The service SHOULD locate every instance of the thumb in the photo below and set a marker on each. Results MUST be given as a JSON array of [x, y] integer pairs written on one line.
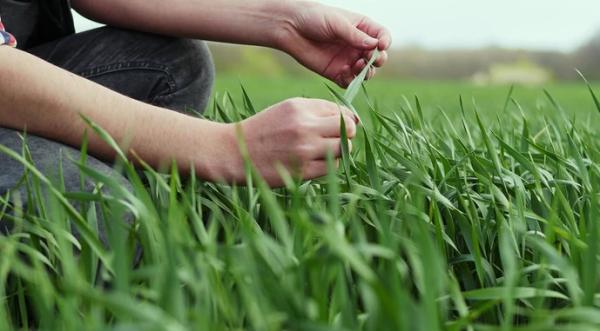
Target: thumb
[[347, 32]]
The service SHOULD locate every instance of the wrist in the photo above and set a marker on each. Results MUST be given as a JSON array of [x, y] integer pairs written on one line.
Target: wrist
[[231, 166], [284, 28], [213, 152]]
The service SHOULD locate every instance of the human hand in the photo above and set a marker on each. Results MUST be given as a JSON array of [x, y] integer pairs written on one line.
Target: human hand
[[332, 42], [296, 133]]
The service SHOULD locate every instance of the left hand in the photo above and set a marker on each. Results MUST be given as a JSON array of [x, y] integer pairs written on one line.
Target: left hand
[[332, 42]]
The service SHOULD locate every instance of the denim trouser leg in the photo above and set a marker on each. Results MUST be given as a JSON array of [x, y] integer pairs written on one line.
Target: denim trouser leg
[[168, 72], [173, 73]]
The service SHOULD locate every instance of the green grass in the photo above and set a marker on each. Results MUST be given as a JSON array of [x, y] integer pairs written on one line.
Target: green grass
[[390, 94], [475, 223]]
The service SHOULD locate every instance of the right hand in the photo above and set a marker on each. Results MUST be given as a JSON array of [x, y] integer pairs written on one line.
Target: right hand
[[296, 133], [332, 42]]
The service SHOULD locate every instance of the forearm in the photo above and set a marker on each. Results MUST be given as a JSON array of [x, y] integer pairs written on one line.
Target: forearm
[[47, 101], [236, 21]]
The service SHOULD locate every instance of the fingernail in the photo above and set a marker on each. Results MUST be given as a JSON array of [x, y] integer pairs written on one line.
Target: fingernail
[[371, 42]]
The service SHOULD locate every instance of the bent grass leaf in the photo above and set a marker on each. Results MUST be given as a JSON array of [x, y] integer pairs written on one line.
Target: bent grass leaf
[[589, 86]]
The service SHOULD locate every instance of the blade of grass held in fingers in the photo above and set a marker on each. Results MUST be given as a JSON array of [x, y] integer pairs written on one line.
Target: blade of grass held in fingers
[[354, 87]]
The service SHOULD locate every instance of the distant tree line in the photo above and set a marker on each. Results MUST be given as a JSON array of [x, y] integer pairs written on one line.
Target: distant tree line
[[587, 58], [420, 63]]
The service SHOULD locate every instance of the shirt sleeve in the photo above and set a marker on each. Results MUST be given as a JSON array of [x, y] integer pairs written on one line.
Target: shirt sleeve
[[6, 38]]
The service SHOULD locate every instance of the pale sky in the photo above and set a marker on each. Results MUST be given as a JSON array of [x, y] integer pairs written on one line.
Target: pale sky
[[534, 24]]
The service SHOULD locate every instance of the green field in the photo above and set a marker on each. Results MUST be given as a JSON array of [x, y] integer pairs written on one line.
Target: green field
[[391, 94], [483, 219]]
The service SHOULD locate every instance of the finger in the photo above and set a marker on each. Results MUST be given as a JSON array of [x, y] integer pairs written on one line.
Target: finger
[[381, 60], [330, 145], [333, 146], [342, 62], [359, 66], [337, 80], [346, 69], [352, 35], [347, 75], [377, 31], [342, 80], [371, 74], [385, 40], [316, 169], [324, 108], [348, 113], [329, 127], [348, 79]]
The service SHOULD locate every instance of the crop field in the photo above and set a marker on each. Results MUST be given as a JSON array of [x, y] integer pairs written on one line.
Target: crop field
[[389, 94], [478, 212]]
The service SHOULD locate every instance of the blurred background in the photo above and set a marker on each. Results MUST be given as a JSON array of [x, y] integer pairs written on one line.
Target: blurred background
[[441, 49], [508, 41]]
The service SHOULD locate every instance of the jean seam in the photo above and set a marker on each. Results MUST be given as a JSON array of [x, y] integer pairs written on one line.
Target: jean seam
[[131, 66]]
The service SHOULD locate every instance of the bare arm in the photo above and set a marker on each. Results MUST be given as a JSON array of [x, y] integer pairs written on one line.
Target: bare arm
[[329, 41], [235, 21], [47, 101]]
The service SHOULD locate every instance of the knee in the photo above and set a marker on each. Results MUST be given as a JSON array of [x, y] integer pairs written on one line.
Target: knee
[[194, 74]]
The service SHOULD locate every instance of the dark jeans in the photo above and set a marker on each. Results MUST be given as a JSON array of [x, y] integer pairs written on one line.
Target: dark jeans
[[173, 73]]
